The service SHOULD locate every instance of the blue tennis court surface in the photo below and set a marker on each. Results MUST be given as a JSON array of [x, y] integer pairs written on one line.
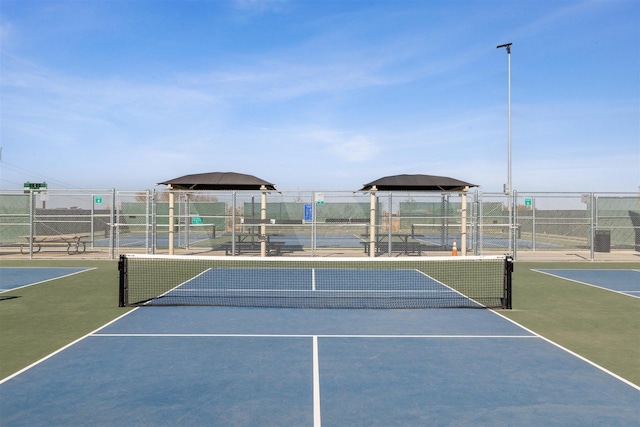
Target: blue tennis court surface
[[232, 366], [19, 277], [621, 281], [311, 279]]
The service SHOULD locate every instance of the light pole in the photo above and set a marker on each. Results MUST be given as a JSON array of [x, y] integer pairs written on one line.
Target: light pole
[[508, 190]]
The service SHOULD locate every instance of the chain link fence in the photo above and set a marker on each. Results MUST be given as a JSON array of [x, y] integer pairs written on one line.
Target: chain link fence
[[105, 223]]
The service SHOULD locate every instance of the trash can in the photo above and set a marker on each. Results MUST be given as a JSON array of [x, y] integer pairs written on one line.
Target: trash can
[[602, 241]]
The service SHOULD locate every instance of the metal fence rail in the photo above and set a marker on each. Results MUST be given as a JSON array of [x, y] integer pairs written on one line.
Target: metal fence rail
[[105, 223]]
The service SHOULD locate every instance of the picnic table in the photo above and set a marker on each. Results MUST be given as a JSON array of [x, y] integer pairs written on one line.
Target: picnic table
[[399, 242], [73, 242], [250, 242]]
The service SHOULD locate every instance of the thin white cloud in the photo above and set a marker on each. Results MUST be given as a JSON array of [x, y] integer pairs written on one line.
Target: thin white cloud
[[260, 6], [356, 149]]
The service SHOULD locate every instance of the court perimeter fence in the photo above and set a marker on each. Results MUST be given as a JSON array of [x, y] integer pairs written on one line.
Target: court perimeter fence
[[107, 223]]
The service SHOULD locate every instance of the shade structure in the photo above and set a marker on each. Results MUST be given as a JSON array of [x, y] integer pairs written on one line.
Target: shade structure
[[417, 183], [218, 181]]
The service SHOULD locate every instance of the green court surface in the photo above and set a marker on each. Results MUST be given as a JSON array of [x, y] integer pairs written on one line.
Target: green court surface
[[599, 325], [38, 320]]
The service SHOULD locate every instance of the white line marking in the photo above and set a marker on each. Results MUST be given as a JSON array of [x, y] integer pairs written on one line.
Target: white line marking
[[65, 347], [362, 291], [46, 280], [586, 283], [317, 422], [584, 359], [309, 336]]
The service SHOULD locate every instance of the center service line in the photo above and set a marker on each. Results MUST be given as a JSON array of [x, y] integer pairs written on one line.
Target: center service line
[[316, 385]]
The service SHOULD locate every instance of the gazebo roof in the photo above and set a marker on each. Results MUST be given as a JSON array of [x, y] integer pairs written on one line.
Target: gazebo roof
[[218, 181], [417, 183]]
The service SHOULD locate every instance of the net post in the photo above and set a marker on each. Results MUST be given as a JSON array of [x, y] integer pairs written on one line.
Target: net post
[[508, 270], [123, 281]]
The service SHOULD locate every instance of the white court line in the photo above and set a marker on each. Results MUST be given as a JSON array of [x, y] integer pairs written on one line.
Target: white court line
[[317, 418], [317, 422], [362, 291], [574, 354], [548, 273], [15, 374], [308, 336]]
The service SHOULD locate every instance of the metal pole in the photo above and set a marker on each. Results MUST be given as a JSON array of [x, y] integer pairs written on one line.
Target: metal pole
[[154, 222], [171, 220], [147, 200], [93, 213], [593, 225], [372, 223], [115, 227], [390, 231], [32, 214], [187, 220], [533, 219], [314, 228], [263, 219], [481, 224], [463, 222], [515, 228], [233, 224], [508, 188]]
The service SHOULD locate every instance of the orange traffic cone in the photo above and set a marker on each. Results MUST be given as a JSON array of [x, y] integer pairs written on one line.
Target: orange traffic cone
[[454, 250]]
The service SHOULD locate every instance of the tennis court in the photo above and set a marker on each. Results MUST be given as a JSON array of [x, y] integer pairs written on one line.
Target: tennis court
[[18, 277], [246, 366], [622, 281], [259, 366]]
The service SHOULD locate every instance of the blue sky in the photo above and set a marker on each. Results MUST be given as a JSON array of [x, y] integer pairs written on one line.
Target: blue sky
[[320, 95]]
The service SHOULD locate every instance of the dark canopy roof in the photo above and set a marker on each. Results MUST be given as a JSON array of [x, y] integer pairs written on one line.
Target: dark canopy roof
[[417, 183], [218, 181]]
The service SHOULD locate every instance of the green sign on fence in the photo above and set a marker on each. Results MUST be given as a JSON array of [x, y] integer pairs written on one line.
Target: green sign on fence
[[36, 187]]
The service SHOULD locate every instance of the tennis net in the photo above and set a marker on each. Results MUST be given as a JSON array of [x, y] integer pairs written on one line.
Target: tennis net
[[434, 282]]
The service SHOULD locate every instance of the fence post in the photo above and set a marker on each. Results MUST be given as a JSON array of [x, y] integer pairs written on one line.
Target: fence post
[[533, 223], [514, 224], [154, 221], [390, 231], [463, 222], [32, 218], [372, 223], [114, 224], [593, 225]]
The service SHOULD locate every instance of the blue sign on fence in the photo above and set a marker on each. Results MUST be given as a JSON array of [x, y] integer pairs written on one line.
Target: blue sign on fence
[[308, 212]]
